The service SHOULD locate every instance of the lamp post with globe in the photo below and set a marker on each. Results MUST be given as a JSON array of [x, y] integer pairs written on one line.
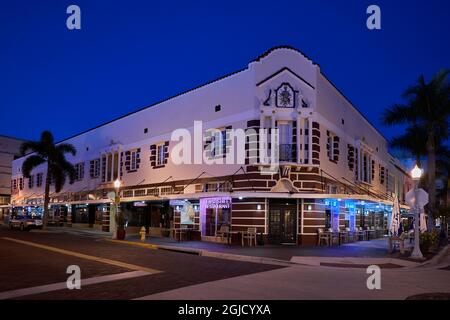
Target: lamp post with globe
[[416, 173], [117, 214]]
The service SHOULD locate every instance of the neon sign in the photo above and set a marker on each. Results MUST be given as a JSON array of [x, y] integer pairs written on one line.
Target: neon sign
[[218, 203]]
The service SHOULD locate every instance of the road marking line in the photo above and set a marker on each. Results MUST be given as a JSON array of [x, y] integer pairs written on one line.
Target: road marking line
[[85, 256], [63, 285], [137, 244]]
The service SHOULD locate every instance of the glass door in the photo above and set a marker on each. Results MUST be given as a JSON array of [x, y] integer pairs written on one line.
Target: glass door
[[288, 234], [215, 219], [275, 225], [282, 223]]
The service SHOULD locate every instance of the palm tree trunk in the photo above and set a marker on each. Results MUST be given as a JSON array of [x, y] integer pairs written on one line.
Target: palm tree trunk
[[431, 164], [46, 200]]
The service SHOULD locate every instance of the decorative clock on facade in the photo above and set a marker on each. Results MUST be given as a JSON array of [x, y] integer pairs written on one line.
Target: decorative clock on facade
[[285, 96]]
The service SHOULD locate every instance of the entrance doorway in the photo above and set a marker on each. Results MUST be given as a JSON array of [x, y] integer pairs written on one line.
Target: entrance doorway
[[215, 219], [282, 221]]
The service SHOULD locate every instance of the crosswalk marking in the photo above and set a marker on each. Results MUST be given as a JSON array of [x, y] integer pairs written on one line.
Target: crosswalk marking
[[85, 256], [62, 285]]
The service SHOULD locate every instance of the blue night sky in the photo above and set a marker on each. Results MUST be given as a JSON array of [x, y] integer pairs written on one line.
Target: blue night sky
[[130, 54]]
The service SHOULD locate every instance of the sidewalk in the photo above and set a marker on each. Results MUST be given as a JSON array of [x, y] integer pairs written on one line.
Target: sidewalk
[[311, 283], [350, 255], [357, 254]]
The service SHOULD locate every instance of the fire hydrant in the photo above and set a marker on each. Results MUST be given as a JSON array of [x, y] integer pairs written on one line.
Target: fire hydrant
[[142, 233]]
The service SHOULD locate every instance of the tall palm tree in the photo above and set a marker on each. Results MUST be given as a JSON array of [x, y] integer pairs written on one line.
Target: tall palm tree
[[413, 141], [58, 168], [427, 110]]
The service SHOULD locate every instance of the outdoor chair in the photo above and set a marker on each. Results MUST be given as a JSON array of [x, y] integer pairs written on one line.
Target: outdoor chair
[[360, 234], [343, 236], [223, 232], [333, 236], [350, 235], [250, 235], [322, 237]]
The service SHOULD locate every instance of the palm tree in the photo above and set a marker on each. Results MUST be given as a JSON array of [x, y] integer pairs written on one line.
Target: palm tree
[[427, 111], [45, 151], [413, 141]]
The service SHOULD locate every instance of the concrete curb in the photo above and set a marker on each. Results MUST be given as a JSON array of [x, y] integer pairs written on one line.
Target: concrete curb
[[296, 260], [207, 253], [132, 243], [317, 261], [255, 259]]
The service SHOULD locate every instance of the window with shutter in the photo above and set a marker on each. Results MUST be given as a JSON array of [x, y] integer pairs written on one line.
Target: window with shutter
[[332, 147], [350, 157], [79, 171], [39, 178], [94, 168], [31, 182], [159, 154]]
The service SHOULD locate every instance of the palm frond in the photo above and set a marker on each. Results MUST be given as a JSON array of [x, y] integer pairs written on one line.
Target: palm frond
[[68, 169], [440, 78], [67, 148], [32, 146], [398, 114], [30, 163]]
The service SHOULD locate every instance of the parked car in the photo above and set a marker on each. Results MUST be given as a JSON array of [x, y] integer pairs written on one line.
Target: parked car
[[25, 223]]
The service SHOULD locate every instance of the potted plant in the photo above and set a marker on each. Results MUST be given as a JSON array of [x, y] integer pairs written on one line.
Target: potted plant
[[120, 221]]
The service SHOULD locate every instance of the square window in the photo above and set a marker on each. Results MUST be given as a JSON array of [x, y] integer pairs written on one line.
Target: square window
[[218, 108], [146, 130]]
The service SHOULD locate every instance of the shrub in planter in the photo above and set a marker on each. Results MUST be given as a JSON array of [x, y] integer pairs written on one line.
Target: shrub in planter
[[428, 240]]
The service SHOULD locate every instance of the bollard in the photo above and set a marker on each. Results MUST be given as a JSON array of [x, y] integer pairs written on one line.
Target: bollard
[[142, 233]]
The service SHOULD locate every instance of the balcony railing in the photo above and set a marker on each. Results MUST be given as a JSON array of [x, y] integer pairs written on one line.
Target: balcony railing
[[288, 152]]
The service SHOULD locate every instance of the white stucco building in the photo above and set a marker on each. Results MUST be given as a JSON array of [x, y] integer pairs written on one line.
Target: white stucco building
[[335, 170]]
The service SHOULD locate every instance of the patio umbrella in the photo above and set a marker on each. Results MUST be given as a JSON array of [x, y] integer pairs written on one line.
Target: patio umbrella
[[394, 222], [422, 221]]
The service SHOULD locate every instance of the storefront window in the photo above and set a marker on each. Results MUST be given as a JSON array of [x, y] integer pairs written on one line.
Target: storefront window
[[214, 214], [148, 214], [80, 214]]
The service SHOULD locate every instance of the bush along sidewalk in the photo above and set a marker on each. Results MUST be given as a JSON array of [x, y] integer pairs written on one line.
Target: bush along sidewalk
[[429, 242]]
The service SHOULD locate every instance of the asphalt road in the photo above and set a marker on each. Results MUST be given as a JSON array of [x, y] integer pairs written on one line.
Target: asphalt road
[[35, 259]]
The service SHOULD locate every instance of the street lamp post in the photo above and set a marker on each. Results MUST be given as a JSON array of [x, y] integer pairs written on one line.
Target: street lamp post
[[117, 185], [416, 173]]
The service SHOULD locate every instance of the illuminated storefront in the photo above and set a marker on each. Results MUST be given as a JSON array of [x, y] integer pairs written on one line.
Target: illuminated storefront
[[215, 213]]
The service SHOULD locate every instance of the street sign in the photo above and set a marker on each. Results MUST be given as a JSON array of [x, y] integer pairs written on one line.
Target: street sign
[[422, 197]]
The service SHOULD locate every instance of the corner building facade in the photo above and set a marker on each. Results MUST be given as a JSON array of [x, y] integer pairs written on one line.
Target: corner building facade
[[335, 170]]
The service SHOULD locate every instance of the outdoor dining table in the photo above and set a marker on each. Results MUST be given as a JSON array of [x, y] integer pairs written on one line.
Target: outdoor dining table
[[330, 235]]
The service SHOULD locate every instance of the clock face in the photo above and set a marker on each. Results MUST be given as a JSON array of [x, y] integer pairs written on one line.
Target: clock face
[[285, 96]]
